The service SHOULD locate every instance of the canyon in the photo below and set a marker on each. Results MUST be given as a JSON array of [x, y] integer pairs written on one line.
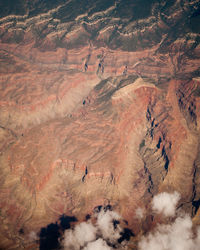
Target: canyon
[[97, 109]]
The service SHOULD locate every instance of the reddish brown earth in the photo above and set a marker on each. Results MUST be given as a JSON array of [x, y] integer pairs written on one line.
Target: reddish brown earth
[[92, 125]]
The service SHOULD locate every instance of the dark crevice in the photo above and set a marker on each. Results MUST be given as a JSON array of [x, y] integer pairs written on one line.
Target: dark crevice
[[86, 172], [156, 162], [86, 67], [196, 205], [148, 115], [166, 163], [150, 181], [196, 190], [164, 154], [159, 142]]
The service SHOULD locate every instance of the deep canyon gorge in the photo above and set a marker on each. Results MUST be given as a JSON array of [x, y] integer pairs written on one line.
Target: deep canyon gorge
[[99, 108]]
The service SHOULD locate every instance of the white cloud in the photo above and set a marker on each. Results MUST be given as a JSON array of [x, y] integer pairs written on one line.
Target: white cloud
[[32, 236], [105, 225], [70, 241], [88, 236], [85, 232], [81, 235], [165, 203], [99, 244], [139, 213], [100, 235], [177, 236]]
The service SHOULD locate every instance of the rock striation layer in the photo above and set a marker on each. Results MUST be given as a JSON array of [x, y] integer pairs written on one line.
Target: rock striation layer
[[97, 108]]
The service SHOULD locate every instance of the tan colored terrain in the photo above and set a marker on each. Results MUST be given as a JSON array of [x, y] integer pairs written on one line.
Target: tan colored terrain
[[90, 125]]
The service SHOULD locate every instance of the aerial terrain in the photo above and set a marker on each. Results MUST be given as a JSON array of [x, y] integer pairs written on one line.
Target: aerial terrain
[[99, 123]]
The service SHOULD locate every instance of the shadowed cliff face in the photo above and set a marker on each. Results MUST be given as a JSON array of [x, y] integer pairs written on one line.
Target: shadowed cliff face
[[99, 106]]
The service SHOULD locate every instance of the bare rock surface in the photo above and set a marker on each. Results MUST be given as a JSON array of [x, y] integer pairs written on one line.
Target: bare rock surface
[[96, 110]]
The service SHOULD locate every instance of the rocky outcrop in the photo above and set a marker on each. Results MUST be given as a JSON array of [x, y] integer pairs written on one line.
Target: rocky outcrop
[[94, 111]]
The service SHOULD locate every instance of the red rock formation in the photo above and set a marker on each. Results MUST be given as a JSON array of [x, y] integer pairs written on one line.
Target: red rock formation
[[83, 125]]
